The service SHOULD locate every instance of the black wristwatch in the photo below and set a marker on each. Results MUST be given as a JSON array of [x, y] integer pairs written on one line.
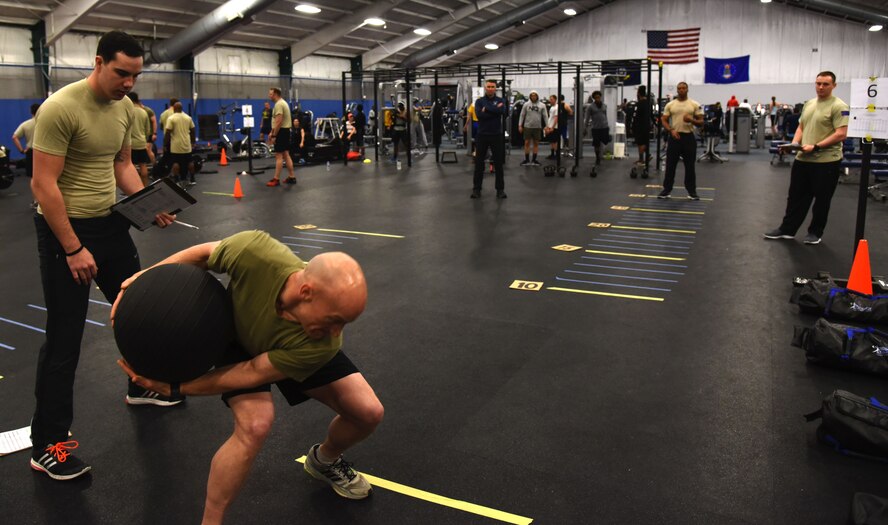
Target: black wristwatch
[[816, 147]]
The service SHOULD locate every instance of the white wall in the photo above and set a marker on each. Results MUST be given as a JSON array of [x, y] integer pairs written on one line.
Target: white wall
[[237, 61], [321, 67], [778, 38], [15, 46]]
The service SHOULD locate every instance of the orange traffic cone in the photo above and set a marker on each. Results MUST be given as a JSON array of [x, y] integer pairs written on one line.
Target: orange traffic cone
[[238, 192], [861, 279], [223, 161]]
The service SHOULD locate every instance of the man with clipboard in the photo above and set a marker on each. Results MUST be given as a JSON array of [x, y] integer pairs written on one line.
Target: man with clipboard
[[81, 156]]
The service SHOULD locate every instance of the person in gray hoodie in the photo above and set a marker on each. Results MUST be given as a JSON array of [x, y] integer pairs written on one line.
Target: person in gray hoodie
[[596, 120], [531, 122]]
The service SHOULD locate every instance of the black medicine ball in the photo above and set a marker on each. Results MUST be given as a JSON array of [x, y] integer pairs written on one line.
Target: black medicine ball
[[173, 323]]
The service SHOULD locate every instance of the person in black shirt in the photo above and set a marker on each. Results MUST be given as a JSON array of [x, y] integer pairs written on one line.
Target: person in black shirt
[[265, 125], [360, 127], [641, 130]]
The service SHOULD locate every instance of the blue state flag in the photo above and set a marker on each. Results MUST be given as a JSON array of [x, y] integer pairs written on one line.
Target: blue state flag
[[727, 70]]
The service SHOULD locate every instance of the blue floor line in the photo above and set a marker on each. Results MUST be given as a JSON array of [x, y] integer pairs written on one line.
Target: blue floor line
[[624, 261], [641, 243], [87, 320], [303, 245], [637, 278], [615, 285], [23, 325], [668, 225], [7, 346], [666, 235], [612, 247], [331, 235], [312, 240], [637, 238], [628, 269]]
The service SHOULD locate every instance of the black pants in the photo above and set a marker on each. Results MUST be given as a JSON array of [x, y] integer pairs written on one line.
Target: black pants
[[108, 239], [482, 144], [686, 148], [810, 181], [29, 162]]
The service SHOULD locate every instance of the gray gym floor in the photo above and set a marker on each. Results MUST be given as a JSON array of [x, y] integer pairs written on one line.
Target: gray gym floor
[[557, 406]]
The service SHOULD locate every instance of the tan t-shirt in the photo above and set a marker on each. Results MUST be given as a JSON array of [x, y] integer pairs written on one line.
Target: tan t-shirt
[[26, 131], [164, 116], [820, 119], [140, 124], [179, 126], [148, 129], [677, 109], [74, 123], [282, 108]]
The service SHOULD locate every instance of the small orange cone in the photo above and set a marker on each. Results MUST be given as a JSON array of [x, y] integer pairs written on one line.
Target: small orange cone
[[238, 192], [223, 161], [861, 279]]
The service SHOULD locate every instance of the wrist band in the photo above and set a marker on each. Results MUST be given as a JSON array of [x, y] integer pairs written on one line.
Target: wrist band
[[75, 252]]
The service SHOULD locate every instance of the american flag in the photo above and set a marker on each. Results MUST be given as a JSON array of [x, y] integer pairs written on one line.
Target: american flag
[[679, 46]]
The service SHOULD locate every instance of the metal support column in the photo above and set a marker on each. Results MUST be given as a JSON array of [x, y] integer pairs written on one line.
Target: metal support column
[[344, 151], [436, 107], [557, 130], [408, 105], [659, 110], [378, 114]]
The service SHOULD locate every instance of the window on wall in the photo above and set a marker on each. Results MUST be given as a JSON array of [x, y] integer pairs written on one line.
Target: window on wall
[[234, 64]]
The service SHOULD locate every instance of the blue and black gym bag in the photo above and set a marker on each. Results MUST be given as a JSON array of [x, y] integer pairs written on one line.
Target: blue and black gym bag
[[823, 296], [853, 425], [844, 346]]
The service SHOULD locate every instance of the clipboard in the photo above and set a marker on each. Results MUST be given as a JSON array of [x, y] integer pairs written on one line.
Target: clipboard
[[790, 148], [161, 196]]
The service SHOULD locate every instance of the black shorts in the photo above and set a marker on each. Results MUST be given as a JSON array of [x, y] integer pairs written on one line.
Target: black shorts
[[642, 139], [553, 137], [282, 140], [265, 130], [140, 156], [600, 136], [182, 159], [359, 139], [294, 391]]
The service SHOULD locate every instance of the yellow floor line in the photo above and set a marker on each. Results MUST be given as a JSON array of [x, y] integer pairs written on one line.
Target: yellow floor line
[[218, 193], [637, 255], [655, 197], [362, 233], [441, 500], [669, 211], [624, 296], [692, 232]]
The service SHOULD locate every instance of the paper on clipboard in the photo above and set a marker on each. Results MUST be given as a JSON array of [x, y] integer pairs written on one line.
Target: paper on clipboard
[[15, 440], [162, 196]]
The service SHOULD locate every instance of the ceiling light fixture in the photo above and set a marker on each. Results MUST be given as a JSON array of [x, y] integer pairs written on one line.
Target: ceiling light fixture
[[308, 9], [491, 46], [570, 11], [766, 1], [422, 31], [875, 27], [374, 22]]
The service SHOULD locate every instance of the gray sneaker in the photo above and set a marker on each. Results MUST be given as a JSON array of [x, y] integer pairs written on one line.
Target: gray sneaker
[[811, 239], [777, 234], [346, 481]]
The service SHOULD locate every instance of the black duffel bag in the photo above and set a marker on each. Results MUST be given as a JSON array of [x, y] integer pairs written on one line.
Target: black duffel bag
[[843, 346], [823, 296], [853, 426]]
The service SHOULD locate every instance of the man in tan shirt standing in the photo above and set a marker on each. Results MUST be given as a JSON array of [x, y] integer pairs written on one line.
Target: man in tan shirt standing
[[178, 139], [280, 137], [679, 118], [823, 127]]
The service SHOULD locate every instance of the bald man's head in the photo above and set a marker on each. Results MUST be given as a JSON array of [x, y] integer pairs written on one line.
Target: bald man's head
[[330, 292]]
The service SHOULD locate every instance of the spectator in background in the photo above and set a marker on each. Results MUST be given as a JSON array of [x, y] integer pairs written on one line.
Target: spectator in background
[[733, 102], [25, 130], [360, 127], [265, 123], [791, 121]]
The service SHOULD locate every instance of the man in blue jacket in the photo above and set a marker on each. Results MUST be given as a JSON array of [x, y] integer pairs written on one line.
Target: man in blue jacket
[[490, 110]]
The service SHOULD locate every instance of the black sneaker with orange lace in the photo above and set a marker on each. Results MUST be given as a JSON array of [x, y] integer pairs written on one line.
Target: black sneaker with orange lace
[[57, 462]]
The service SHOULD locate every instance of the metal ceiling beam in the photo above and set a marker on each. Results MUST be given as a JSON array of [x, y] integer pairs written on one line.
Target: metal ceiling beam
[[63, 17], [470, 36], [868, 13], [383, 51], [340, 28], [206, 31]]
